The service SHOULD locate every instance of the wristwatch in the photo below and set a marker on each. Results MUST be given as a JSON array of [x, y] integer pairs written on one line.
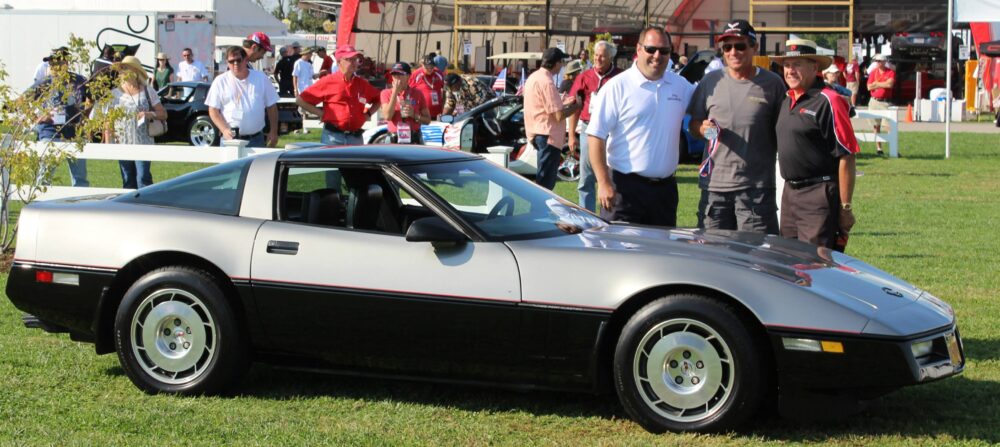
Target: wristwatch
[[845, 206]]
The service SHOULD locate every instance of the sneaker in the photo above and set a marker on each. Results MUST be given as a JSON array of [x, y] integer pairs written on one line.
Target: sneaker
[[880, 153]]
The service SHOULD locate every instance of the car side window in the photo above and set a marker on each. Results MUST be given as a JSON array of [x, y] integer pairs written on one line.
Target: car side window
[[218, 189], [351, 198]]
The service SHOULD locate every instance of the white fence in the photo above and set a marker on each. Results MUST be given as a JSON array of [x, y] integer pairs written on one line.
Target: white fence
[[150, 152], [869, 136]]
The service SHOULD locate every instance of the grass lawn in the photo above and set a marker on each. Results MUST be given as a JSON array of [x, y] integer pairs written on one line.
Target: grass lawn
[[928, 220]]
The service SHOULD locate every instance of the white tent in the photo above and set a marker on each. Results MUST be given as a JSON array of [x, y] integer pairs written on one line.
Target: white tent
[[236, 18], [964, 11]]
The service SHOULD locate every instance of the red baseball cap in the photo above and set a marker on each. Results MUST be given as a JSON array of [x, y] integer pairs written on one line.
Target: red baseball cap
[[261, 39], [347, 51]]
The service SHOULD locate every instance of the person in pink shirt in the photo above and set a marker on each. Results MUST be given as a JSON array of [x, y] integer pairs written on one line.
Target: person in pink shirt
[[403, 107], [545, 116], [852, 75], [430, 83]]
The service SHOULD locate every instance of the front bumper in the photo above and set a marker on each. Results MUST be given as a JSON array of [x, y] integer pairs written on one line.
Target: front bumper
[[869, 365]]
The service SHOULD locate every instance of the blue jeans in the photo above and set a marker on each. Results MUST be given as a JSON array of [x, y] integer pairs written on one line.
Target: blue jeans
[[587, 185], [77, 168], [340, 138], [337, 139], [548, 161], [135, 174]]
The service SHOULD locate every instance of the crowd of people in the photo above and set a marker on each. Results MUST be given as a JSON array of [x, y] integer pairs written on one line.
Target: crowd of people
[[625, 124]]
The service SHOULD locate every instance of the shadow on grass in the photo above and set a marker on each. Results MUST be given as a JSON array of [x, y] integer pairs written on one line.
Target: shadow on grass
[[916, 174], [933, 410], [878, 233], [981, 350]]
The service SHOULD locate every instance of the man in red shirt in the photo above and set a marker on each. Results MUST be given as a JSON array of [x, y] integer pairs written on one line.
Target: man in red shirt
[[430, 83], [403, 107], [345, 98], [326, 64], [852, 75], [880, 83], [585, 87]]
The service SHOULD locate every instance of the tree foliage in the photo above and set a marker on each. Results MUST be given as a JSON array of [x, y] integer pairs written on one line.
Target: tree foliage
[[27, 166]]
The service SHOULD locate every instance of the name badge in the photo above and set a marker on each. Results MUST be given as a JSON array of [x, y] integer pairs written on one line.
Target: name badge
[[434, 98], [403, 133], [59, 116]]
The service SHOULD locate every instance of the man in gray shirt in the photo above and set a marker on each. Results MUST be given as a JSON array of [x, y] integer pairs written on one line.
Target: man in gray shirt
[[736, 109]]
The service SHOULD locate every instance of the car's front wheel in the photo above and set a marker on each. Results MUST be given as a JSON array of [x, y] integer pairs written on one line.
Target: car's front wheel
[[201, 132], [175, 332], [689, 363]]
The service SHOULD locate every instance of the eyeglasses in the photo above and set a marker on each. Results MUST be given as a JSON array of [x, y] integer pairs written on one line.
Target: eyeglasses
[[739, 46], [235, 61], [664, 51]]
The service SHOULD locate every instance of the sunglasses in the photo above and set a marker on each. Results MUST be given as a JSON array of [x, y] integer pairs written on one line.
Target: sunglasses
[[235, 61], [664, 51], [739, 46]]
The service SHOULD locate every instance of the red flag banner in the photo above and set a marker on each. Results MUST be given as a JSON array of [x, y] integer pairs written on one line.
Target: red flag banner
[[348, 16]]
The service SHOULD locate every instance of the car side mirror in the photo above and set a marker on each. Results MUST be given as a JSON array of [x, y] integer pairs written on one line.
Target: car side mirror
[[435, 230], [448, 119]]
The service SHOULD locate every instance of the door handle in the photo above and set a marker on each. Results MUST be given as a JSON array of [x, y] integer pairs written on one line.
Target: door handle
[[282, 247]]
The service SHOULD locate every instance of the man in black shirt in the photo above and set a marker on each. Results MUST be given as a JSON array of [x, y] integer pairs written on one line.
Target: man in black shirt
[[816, 148], [283, 70]]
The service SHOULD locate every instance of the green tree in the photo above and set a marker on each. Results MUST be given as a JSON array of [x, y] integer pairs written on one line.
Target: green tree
[[26, 166]]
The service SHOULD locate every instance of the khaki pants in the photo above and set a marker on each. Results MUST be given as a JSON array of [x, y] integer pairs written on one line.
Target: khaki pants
[[876, 104]]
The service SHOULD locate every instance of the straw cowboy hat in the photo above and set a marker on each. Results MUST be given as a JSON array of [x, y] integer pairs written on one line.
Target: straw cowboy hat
[[802, 48], [132, 64], [162, 56]]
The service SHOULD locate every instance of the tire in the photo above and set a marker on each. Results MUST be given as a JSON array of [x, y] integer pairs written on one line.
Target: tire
[[176, 333], [569, 167], [688, 363], [381, 138], [202, 132]]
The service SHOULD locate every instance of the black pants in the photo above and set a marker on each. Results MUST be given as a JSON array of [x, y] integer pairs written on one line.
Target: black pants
[[643, 201], [811, 214]]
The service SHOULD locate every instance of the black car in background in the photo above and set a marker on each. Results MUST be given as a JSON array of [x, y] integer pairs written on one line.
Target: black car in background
[[188, 120]]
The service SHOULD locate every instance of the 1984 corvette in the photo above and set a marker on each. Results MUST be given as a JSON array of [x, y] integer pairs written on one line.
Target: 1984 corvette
[[436, 264]]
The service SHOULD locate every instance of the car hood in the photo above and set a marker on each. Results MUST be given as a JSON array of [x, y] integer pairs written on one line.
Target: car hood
[[825, 272]]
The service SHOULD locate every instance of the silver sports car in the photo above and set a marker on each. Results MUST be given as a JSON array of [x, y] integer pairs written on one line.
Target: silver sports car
[[435, 264]]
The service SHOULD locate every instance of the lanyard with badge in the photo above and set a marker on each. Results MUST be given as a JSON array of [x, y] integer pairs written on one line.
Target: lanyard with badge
[[404, 134], [434, 93]]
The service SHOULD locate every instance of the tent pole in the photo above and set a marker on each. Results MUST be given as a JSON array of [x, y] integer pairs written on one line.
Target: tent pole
[[947, 104]]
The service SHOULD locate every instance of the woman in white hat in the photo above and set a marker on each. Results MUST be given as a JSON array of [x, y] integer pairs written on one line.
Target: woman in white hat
[[137, 104], [164, 71], [832, 77]]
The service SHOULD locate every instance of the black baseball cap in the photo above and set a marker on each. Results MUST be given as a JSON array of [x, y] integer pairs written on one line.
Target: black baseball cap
[[553, 55], [738, 28], [452, 79], [400, 68]]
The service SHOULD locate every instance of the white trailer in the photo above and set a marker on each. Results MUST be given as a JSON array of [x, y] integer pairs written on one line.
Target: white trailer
[[28, 35]]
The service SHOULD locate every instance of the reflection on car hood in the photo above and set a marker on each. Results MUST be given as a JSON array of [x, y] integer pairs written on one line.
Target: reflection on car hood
[[826, 272]]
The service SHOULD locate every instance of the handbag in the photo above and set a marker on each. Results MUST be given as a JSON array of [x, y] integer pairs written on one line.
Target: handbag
[[155, 127]]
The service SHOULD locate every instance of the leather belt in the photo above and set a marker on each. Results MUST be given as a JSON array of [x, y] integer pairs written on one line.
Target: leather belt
[[332, 128], [802, 183], [650, 180]]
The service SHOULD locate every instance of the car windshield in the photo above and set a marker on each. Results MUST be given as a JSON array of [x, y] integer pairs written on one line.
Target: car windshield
[[501, 204]]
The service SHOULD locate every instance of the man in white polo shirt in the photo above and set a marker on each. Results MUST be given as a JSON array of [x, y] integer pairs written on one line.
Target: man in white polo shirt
[[635, 130], [238, 100]]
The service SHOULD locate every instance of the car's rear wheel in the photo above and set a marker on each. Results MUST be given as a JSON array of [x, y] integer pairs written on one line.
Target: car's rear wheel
[[201, 132], [175, 332], [689, 363]]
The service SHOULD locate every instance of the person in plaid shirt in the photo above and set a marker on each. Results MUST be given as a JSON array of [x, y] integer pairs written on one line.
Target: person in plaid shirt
[[462, 93]]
